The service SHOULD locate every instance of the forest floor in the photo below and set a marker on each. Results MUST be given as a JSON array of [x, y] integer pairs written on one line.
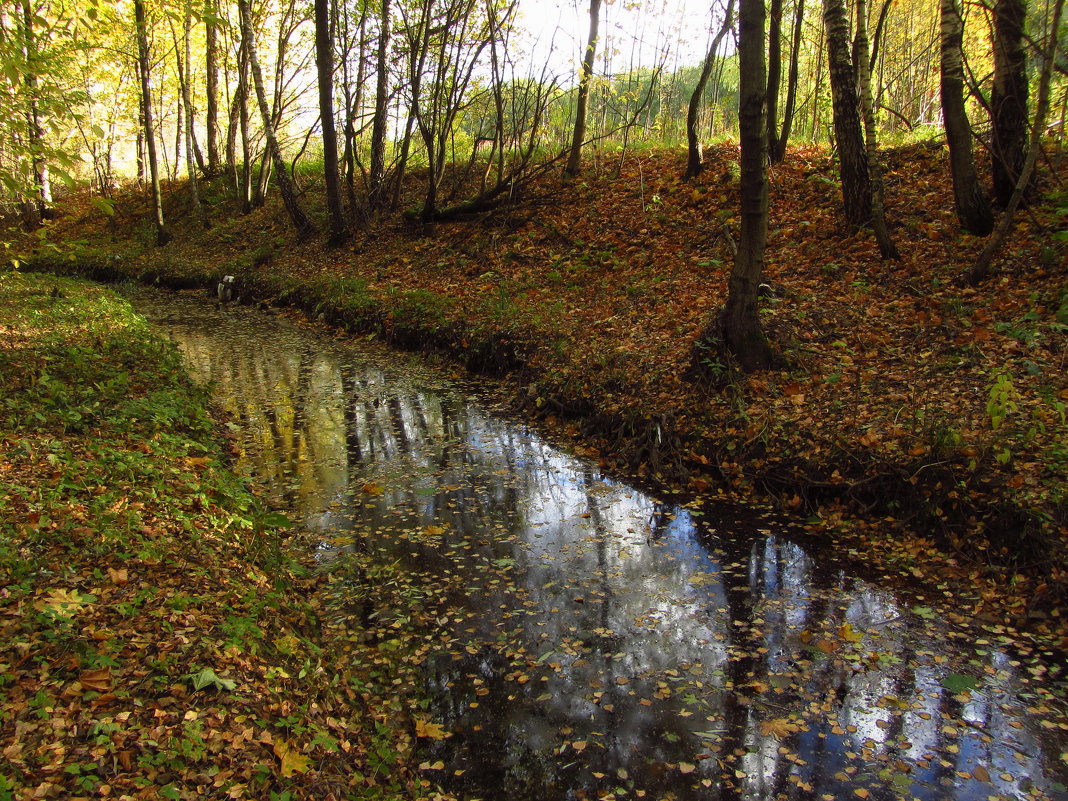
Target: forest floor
[[914, 420], [157, 639]]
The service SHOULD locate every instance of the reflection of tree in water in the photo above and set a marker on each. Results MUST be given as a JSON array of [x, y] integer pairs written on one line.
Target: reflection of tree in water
[[651, 639]]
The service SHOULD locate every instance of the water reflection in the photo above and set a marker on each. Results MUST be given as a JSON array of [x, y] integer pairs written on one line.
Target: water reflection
[[608, 644]]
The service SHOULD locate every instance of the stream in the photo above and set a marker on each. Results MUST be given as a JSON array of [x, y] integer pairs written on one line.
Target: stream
[[603, 643]]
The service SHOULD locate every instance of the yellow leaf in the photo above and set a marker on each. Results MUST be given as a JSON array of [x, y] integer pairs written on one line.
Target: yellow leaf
[[292, 760], [847, 633], [373, 488], [686, 767], [778, 728], [433, 531], [63, 603], [429, 730]]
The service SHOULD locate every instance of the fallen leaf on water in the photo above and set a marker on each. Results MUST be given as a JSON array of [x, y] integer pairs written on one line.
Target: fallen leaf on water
[[847, 633], [373, 488], [778, 728], [429, 730], [687, 767]]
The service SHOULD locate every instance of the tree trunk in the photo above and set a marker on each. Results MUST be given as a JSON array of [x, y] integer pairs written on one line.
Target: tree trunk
[[162, 235], [301, 223], [856, 181], [777, 145], [324, 64], [185, 107], [187, 101], [574, 159], [973, 209], [693, 145], [211, 58], [984, 264], [887, 248], [179, 117], [741, 322], [774, 74], [1008, 99], [378, 128], [243, 123], [42, 194]]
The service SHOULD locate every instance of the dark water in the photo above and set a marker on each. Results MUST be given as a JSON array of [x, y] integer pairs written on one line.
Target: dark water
[[602, 643]]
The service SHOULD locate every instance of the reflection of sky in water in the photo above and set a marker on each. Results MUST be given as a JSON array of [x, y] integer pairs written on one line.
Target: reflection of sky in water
[[652, 637]]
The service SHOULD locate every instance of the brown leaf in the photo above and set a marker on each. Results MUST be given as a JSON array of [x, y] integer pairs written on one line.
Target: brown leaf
[[96, 680]]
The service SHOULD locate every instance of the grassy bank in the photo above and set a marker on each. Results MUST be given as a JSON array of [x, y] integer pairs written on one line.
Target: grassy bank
[[156, 639], [918, 422]]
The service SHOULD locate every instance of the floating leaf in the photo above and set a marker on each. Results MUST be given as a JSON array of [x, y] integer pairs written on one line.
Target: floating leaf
[[849, 634], [429, 730], [958, 682], [778, 728]]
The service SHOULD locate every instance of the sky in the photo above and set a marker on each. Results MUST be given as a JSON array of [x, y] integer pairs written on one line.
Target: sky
[[634, 33]]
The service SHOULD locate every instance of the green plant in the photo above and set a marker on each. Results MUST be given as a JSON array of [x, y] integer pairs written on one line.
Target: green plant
[[1002, 400]]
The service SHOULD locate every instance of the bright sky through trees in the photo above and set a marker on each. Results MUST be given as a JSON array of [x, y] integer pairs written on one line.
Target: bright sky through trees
[[633, 34]]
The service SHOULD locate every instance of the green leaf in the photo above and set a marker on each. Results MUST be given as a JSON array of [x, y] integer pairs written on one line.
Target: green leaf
[[958, 683], [104, 205], [63, 175], [208, 678], [276, 520]]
